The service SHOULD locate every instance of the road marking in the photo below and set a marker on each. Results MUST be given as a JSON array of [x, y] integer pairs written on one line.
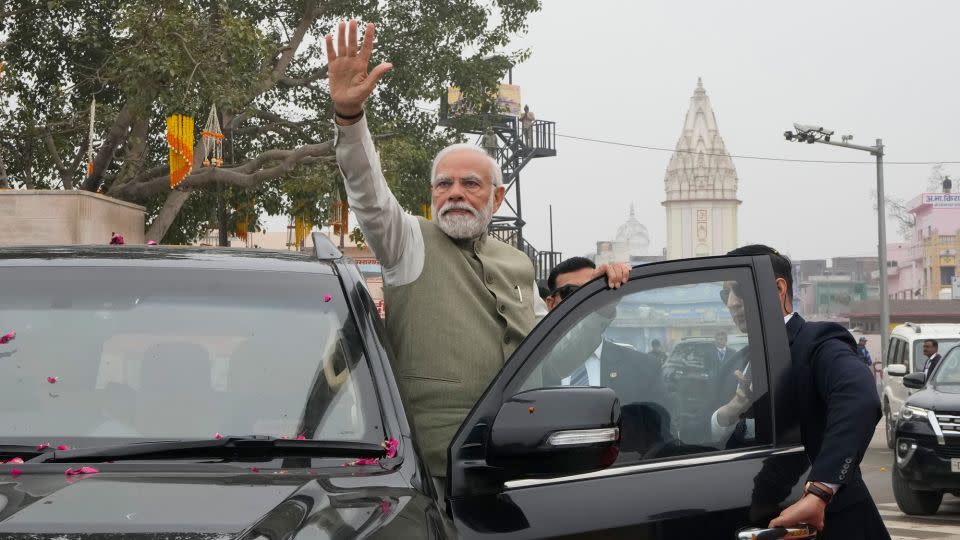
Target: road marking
[[904, 527]]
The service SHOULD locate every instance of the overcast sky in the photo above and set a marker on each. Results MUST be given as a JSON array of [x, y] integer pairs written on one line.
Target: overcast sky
[[625, 71]]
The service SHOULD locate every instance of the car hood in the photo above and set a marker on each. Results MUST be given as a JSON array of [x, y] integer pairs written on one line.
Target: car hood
[[271, 504], [941, 398]]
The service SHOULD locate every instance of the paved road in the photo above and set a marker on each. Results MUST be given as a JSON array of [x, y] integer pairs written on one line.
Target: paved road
[[876, 472]]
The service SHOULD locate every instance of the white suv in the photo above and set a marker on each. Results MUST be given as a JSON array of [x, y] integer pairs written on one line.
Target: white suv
[[905, 355]]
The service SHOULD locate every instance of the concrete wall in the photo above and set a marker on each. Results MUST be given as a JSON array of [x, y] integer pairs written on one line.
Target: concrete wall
[[57, 217]]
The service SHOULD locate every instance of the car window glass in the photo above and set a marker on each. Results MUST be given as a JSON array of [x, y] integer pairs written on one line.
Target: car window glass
[[949, 370], [181, 353], [903, 353], [920, 359], [891, 352], [681, 355], [895, 350]]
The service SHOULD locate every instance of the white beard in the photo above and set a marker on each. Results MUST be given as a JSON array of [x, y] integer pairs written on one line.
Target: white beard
[[461, 226]]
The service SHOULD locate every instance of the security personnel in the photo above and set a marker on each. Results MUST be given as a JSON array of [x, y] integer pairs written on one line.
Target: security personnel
[[832, 399]]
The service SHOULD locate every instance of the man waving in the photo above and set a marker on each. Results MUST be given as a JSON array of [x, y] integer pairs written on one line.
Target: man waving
[[458, 302]]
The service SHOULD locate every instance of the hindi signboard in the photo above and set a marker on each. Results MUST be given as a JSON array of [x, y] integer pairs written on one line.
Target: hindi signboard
[[942, 200]]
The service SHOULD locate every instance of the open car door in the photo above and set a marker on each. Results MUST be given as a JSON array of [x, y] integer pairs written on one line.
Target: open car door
[[623, 412]]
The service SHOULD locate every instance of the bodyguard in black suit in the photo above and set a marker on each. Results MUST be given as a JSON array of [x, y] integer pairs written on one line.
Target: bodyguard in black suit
[[834, 401]]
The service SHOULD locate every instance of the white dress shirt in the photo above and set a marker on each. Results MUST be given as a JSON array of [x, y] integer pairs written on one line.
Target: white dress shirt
[[592, 365]]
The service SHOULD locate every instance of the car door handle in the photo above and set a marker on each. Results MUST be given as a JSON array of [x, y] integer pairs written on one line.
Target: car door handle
[[800, 532]]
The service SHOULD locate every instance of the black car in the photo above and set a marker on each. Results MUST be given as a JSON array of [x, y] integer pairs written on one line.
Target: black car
[[155, 392], [927, 462]]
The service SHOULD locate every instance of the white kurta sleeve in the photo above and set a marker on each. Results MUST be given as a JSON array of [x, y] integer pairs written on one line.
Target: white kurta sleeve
[[393, 235]]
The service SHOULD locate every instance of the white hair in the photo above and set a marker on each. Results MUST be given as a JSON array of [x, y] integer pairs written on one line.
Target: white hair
[[496, 175]]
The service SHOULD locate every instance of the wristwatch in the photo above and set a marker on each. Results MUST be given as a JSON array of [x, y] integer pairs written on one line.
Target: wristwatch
[[818, 490]]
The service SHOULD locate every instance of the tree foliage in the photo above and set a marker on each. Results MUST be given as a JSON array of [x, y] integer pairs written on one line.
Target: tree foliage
[[262, 64]]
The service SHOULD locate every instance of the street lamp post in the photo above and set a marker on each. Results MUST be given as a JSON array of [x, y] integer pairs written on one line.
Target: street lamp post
[[817, 134]]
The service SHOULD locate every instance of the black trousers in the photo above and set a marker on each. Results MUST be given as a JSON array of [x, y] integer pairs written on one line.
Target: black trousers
[[859, 521]]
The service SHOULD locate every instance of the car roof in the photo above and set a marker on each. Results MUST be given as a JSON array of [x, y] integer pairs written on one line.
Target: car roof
[[222, 258], [913, 332]]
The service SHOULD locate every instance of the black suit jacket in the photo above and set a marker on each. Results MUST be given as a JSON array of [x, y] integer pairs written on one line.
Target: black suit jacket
[[931, 364], [833, 399]]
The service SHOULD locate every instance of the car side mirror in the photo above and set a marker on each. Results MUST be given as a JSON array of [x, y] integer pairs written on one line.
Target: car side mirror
[[896, 370], [915, 380], [556, 431]]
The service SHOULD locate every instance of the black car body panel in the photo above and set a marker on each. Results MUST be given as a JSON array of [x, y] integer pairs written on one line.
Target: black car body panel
[[296, 497]]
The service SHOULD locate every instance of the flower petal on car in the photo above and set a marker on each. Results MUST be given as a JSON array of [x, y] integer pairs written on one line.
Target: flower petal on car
[[217, 436], [7, 338], [52, 380], [391, 447], [81, 470], [327, 298], [15, 472], [15, 460], [63, 447], [43, 446]]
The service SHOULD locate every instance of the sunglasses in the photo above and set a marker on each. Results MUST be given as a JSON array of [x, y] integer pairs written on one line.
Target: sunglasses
[[565, 291], [725, 292]]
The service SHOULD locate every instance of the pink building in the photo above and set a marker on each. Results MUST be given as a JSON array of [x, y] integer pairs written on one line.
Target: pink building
[[925, 265]]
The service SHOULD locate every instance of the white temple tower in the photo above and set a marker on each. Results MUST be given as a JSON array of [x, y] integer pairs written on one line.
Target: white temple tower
[[701, 187]]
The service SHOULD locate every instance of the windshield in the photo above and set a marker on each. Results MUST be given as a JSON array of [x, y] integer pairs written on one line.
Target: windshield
[[949, 370], [180, 353], [920, 359]]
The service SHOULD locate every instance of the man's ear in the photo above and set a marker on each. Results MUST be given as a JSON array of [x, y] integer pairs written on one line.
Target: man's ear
[[550, 301], [498, 196]]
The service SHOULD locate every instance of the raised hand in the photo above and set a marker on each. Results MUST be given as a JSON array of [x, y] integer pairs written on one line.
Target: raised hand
[[350, 83]]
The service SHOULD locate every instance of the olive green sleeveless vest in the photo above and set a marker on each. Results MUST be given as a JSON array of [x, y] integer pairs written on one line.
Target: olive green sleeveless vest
[[453, 328]]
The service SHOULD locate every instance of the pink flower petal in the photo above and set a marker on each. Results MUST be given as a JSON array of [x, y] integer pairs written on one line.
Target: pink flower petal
[[15, 460], [327, 298], [63, 447], [217, 436], [385, 506], [15, 472], [7, 338], [391, 447], [81, 470], [52, 380], [254, 469], [43, 446], [301, 437]]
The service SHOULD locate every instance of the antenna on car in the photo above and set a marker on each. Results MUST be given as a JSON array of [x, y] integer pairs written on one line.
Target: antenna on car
[[324, 247]]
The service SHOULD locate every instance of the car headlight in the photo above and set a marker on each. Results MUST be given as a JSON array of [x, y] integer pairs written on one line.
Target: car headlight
[[909, 412]]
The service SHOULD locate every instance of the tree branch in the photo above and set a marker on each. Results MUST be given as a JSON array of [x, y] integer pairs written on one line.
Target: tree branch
[[310, 15], [116, 136], [267, 166], [291, 82], [4, 182], [57, 161]]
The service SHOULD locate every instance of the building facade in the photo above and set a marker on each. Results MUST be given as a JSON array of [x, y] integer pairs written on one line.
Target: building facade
[[701, 187], [926, 265]]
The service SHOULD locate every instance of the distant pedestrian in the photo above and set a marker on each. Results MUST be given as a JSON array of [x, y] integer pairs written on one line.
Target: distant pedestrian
[[656, 351], [931, 350], [526, 122], [490, 142], [863, 352]]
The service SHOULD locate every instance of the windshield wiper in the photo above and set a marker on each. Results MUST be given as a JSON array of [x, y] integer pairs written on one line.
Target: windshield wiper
[[225, 448], [25, 451]]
